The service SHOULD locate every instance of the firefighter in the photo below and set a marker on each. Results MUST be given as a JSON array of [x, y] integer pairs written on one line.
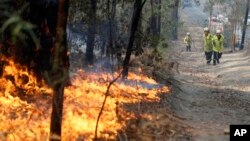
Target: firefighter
[[217, 46], [208, 46], [188, 41]]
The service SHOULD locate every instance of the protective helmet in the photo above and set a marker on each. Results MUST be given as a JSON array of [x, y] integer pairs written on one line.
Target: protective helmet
[[206, 29], [218, 31], [188, 33]]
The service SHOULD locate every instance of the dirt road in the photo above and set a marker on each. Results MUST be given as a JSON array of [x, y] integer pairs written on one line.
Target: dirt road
[[210, 98]]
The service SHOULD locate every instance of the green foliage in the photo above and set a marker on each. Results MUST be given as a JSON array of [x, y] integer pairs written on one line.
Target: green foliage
[[167, 23], [18, 28], [162, 44], [13, 25], [123, 15]]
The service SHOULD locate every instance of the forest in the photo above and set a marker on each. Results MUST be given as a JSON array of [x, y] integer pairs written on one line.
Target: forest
[[103, 69], [60, 55]]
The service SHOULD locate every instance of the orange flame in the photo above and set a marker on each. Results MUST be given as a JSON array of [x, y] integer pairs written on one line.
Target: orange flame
[[25, 105]]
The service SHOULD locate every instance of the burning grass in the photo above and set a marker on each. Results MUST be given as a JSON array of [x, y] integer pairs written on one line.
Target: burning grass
[[25, 104]]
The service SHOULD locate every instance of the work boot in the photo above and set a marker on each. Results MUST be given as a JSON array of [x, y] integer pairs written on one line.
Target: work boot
[[214, 62], [208, 62]]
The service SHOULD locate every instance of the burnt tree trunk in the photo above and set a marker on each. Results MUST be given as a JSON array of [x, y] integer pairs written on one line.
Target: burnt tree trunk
[[111, 19], [112, 35], [138, 5], [59, 74], [91, 33]]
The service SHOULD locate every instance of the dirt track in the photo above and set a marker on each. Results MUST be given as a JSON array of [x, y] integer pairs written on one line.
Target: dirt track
[[210, 98]]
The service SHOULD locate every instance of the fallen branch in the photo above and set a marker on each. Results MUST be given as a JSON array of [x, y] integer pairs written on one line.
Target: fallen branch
[[104, 102]]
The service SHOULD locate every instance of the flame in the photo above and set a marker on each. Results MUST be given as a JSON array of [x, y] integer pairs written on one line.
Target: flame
[[25, 104]]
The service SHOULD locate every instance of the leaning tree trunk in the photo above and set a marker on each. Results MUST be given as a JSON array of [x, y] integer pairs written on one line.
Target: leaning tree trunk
[[58, 76], [135, 21], [91, 33]]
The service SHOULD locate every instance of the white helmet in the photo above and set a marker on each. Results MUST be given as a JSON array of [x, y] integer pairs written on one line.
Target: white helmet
[[206, 29], [188, 33], [218, 31]]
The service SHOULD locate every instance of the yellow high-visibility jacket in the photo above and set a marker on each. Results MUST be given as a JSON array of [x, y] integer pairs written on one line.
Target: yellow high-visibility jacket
[[187, 40], [218, 44], [208, 46]]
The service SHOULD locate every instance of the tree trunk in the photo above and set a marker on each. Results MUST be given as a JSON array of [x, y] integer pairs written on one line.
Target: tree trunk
[[244, 26], [111, 18], [138, 41], [91, 33], [175, 19], [138, 5], [56, 115], [234, 29], [59, 74], [154, 23], [153, 19], [159, 18], [234, 36], [211, 5]]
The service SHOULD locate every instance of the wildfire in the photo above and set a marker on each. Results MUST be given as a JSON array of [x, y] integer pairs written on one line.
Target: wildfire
[[25, 104]]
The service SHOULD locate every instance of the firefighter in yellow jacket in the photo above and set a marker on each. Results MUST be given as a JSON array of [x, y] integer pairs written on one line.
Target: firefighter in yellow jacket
[[218, 47], [208, 46], [187, 41]]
